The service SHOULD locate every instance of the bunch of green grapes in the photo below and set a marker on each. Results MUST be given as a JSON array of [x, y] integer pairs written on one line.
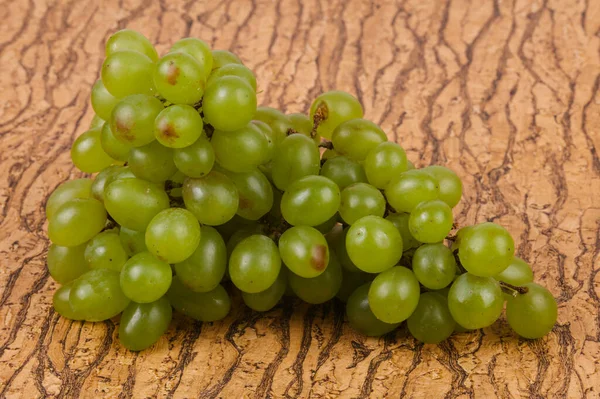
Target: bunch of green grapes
[[196, 193]]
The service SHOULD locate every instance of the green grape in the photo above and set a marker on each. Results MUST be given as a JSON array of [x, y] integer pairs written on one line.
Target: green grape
[[152, 162], [102, 101], [244, 232], [65, 264], [532, 315], [400, 221], [267, 299], [434, 266], [450, 184], [145, 278], [132, 120], [304, 251], [343, 171], [475, 302], [517, 273], [241, 150], [384, 163], [78, 188], [234, 225], [204, 306], [142, 324], [213, 199], [96, 123], [196, 160], [269, 135], [128, 72], [173, 235], [97, 295], [204, 269], [310, 201], [318, 289], [302, 124], [410, 165], [296, 156], [337, 241], [178, 126], [197, 49], [128, 39], [335, 107], [430, 221], [105, 251], [60, 302], [431, 322], [233, 70], [132, 241], [76, 222], [356, 138], [254, 264], [224, 57], [255, 193], [350, 282], [459, 235], [229, 103], [328, 225], [112, 146], [330, 154], [359, 200], [100, 182], [411, 188], [118, 173], [486, 249], [179, 78], [374, 244], [132, 203], [394, 294], [87, 153], [277, 121], [360, 316]]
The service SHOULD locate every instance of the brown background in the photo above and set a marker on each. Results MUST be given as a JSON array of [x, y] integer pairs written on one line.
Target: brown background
[[504, 92]]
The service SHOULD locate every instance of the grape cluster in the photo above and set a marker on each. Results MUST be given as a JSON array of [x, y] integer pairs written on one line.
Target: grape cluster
[[196, 186]]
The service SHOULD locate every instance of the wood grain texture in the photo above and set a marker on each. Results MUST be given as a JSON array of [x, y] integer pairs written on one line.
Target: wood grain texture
[[505, 92]]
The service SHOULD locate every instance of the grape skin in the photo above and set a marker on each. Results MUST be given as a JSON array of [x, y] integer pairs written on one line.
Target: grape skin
[[200, 153]]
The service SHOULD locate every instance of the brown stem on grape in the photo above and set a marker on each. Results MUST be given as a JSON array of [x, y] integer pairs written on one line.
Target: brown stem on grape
[[198, 105], [110, 224], [321, 114], [291, 131], [451, 239], [513, 289], [326, 144]]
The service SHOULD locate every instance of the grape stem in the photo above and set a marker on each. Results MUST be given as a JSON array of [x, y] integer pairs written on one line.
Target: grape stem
[[320, 115], [291, 131], [326, 144], [513, 289], [110, 224], [506, 287]]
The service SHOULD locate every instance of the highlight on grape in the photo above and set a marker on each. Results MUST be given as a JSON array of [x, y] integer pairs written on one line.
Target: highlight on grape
[[199, 193]]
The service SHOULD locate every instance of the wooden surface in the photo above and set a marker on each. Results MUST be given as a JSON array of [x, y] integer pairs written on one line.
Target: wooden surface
[[504, 92]]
